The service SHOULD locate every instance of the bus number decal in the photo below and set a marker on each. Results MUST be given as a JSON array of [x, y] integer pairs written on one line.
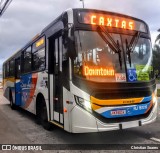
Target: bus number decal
[[120, 77]]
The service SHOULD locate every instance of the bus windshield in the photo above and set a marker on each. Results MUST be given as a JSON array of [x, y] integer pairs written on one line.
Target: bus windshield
[[98, 61]]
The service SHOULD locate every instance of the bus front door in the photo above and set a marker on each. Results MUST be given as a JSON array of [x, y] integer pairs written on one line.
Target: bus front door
[[17, 82], [56, 82]]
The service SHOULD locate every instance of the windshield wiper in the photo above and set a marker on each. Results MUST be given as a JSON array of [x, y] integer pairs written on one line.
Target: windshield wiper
[[131, 46], [128, 52], [119, 55], [114, 46]]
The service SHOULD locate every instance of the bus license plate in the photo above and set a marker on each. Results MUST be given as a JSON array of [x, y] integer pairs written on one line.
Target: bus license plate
[[130, 124], [118, 112]]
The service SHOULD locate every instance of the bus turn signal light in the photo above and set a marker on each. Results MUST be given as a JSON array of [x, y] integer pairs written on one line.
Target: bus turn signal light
[[65, 110]]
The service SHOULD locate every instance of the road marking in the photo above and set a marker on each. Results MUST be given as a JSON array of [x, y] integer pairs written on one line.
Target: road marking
[[155, 139]]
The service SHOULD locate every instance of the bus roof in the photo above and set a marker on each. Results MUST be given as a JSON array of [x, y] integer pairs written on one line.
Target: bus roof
[[105, 11], [92, 10], [59, 17]]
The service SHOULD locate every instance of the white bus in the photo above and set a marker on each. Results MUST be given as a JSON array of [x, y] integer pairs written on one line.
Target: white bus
[[87, 71]]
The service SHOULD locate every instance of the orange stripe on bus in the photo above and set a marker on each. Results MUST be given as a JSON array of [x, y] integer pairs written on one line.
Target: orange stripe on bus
[[116, 101]]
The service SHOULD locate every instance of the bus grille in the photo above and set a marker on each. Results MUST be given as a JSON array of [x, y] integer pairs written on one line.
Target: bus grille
[[121, 95]]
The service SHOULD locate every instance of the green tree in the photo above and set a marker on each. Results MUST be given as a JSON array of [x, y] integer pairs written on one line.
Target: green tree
[[156, 56]]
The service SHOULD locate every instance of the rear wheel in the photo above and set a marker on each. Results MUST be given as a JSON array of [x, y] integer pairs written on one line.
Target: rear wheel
[[13, 106]]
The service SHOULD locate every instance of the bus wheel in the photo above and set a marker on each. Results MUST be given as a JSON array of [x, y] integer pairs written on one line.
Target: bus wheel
[[38, 114], [44, 118], [13, 106]]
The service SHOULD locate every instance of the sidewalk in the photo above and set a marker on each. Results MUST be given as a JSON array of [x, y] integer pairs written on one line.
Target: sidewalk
[[3, 100]]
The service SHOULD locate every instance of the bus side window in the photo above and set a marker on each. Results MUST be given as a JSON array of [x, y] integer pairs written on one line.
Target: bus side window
[[38, 55], [56, 57], [64, 50], [7, 69], [3, 72], [18, 68], [26, 56], [39, 60], [60, 53], [11, 67]]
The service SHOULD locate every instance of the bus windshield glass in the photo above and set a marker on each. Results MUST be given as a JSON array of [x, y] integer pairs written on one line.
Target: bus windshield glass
[[98, 60]]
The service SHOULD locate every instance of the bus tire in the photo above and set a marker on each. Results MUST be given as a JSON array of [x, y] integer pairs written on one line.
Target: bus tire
[[13, 106], [42, 117], [38, 114]]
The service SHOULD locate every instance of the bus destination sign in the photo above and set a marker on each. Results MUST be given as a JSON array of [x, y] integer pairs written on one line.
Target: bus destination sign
[[111, 20]]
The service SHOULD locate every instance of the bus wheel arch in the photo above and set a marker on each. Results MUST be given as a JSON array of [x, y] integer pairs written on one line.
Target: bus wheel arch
[[41, 112]]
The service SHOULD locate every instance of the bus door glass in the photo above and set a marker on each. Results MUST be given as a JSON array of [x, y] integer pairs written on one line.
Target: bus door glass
[[57, 82], [17, 81]]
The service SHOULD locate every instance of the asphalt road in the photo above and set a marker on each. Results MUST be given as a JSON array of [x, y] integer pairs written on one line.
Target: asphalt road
[[19, 127]]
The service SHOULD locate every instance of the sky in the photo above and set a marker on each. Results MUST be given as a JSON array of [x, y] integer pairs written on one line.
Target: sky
[[25, 18]]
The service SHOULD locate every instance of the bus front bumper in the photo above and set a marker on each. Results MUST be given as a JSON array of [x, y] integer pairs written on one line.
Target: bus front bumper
[[86, 122]]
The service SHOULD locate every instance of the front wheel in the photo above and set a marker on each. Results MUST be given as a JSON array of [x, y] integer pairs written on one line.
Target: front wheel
[[44, 117]]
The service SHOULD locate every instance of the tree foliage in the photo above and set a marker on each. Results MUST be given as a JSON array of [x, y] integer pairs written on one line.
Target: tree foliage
[[156, 56]]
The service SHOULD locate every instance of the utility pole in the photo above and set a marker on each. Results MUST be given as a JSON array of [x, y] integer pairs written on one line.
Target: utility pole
[[82, 2], [3, 5]]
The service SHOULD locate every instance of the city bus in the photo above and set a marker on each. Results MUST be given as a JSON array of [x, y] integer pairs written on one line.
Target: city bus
[[87, 71]]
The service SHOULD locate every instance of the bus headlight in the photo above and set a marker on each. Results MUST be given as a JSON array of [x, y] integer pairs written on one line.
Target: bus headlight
[[83, 103], [154, 96], [154, 99]]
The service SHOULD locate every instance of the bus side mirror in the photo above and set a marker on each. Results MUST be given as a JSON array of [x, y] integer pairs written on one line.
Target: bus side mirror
[[70, 45]]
